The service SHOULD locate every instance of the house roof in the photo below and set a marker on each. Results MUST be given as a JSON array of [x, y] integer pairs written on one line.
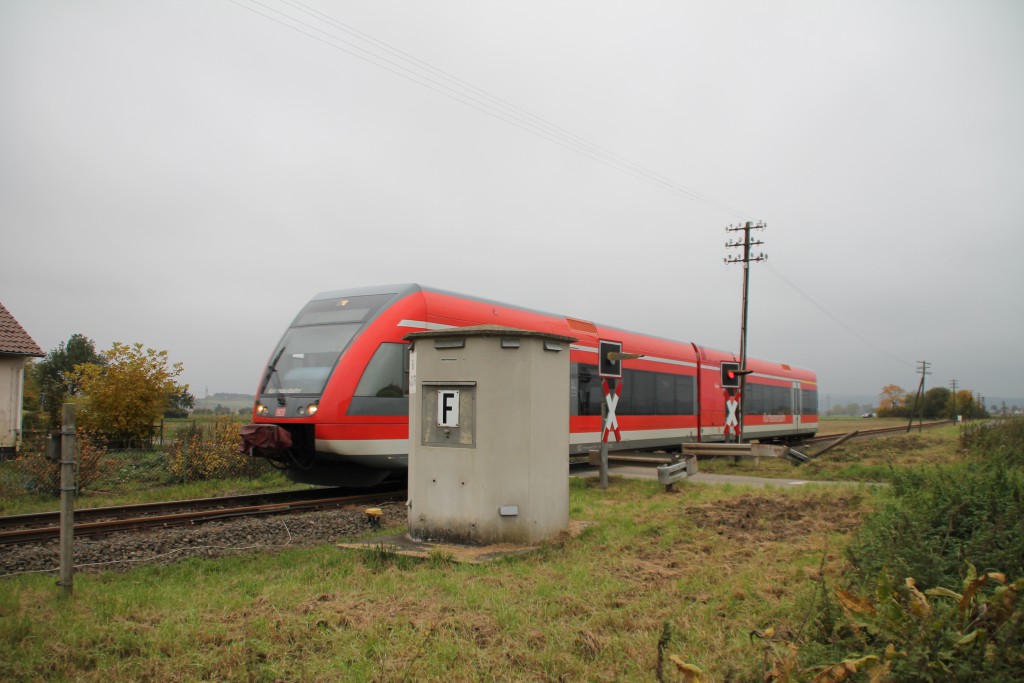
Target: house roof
[[13, 337]]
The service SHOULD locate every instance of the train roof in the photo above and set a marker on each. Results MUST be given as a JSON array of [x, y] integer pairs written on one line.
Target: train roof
[[407, 288]]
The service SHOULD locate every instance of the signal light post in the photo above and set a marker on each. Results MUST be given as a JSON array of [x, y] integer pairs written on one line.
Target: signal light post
[[732, 379], [730, 375], [610, 357], [746, 243]]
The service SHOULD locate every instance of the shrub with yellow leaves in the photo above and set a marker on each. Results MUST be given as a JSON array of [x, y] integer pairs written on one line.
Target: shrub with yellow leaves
[[210, 451]]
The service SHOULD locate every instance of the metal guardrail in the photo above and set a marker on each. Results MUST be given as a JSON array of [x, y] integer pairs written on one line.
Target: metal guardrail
[[755, 450], [738, 450], [669, 474]]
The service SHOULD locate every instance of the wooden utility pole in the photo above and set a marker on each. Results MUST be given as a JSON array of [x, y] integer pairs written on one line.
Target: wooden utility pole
[[747, 257], [922, 367], [952, 385]]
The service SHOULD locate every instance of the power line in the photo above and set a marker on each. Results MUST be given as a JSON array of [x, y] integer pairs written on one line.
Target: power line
[[422, 73], [389, 58], [839, 322]]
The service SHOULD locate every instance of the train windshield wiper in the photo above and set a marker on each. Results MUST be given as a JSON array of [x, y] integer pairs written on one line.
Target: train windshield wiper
[[272, 370]]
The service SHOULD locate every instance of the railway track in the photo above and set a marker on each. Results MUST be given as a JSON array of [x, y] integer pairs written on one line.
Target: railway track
[[645, 457], [41, 527], [860, 433]]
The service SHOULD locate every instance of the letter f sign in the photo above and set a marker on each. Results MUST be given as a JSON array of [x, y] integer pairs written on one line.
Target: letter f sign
[[447, 408]]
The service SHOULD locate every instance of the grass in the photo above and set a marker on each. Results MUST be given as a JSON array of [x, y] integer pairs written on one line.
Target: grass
[[865, 460], [711, 563]]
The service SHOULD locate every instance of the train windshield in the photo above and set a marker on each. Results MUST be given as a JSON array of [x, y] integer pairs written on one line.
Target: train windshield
[[305, 358]]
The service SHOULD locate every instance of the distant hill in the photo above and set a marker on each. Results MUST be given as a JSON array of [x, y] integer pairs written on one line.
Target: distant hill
[[226, 396], [233, 402]]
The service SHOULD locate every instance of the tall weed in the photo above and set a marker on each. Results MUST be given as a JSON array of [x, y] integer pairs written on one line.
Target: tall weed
[[33, 473], [897, 632]]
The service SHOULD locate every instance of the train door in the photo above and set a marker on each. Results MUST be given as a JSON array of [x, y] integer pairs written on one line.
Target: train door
[[797, 407]]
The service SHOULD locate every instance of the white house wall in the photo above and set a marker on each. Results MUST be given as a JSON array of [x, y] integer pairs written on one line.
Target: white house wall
[[12, 371]]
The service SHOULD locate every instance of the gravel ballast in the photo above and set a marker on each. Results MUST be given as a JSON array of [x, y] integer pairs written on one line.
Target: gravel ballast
[[124, 550]]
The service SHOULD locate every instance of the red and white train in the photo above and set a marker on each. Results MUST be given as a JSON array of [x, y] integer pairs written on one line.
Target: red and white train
[[338, 384]]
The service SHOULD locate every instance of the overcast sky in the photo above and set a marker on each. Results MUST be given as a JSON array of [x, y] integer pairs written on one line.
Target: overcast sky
[[188, 174]]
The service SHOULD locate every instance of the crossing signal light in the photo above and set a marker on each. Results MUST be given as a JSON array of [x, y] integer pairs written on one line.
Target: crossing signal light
[[610, 358], [730, 375]]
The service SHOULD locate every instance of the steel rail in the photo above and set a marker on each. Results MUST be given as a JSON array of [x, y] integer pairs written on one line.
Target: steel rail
[[645, 457], [873, 432], [206, 513], [166, 507]]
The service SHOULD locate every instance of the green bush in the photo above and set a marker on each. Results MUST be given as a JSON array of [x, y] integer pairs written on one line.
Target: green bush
[[995, 444], [934, 520], [937, 519], [935, 525]]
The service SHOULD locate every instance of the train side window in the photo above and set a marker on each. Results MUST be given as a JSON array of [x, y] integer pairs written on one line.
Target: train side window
[[665, 393], [762, 399], [642, 388], [384, 387], [782, 401], [586, 393], [753, 399], [643, 392], [785, 400], [387, 373], [686, 401], [808, 402]]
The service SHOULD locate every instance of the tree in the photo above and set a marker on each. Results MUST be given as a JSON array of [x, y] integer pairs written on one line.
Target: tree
[[935, 403], [179, 403], [30, 393], [966, 406], [122, 397], [53, 376], [892, 401]]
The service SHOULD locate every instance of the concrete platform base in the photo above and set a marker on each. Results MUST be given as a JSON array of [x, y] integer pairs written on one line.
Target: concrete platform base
[[401, 544]]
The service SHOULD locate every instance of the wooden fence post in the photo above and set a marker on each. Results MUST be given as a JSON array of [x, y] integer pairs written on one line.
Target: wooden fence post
[[67, 499]]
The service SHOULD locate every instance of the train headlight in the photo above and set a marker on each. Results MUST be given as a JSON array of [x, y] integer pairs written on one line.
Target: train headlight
[[261, 409], [312, 408]]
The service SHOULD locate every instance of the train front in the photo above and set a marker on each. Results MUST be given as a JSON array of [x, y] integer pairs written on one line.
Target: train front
[[301, 419]]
